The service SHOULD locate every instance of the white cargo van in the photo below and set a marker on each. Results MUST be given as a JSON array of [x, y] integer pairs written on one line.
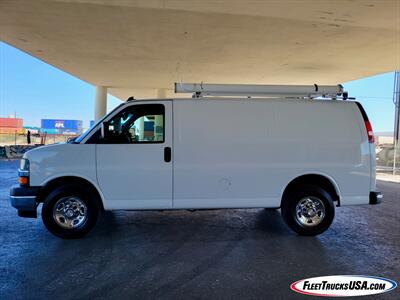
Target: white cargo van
[[299, 148]]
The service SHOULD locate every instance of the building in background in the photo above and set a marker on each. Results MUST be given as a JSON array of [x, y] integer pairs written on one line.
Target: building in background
[[11, 125], [58, 126], [384, 138]]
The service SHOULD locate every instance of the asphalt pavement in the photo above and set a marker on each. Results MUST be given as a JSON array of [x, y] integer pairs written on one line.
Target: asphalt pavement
[[220, 254]]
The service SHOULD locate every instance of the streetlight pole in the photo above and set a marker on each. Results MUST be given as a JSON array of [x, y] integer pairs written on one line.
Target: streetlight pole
[[396, 101]]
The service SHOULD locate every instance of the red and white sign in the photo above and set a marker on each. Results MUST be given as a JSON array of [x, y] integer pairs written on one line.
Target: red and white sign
[[343, 286]]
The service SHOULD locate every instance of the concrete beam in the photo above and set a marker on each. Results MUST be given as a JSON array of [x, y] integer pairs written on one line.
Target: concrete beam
[[139, 46]]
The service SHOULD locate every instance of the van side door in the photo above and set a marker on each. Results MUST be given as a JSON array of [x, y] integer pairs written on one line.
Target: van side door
[[134, 163]]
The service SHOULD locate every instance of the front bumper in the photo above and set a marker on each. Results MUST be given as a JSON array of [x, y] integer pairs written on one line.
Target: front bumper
[[375, 198], [24, 199]]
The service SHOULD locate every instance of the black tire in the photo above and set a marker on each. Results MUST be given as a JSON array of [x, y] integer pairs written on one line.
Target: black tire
[[294, 196], [71, 190], [271, 208]]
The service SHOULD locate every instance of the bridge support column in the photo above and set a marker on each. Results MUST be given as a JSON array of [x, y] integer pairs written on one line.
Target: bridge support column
[[161, 93], [100, 105]]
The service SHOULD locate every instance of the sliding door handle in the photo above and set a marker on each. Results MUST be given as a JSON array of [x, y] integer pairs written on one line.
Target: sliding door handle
[[167, 154]]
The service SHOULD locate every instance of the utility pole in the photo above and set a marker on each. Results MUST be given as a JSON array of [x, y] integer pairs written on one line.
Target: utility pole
[[396, 101]]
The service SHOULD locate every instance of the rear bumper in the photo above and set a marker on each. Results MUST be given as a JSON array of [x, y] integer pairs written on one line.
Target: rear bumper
[[375, 198], [24, 200]]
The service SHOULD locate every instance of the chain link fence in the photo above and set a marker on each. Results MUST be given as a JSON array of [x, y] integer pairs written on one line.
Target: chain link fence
[[388, 158], [7, 139], [13, 146]]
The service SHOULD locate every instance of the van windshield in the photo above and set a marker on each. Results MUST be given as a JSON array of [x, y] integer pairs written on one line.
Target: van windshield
[[83, 135]]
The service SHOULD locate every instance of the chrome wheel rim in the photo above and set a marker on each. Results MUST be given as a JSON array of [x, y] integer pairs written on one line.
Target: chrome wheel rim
[[310, 211], [70, 212]]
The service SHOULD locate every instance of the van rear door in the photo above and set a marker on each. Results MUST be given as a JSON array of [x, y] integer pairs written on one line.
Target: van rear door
[[368, 132]]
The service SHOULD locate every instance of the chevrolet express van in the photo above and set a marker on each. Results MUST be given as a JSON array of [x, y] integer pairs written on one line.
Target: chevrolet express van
[[305, 156]]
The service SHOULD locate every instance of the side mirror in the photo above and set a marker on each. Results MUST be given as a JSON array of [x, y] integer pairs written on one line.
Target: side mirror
[[71, 140]]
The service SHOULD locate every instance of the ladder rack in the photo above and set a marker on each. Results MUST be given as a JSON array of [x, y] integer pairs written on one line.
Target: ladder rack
[[274, 91]]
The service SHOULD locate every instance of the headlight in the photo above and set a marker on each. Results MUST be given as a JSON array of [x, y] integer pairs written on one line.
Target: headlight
[[24, 164]]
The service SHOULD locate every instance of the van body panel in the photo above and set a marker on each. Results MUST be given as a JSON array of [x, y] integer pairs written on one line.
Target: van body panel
[[61, 160], [230, 151]]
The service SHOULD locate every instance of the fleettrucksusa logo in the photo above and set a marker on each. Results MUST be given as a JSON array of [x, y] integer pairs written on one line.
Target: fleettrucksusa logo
[[343, 286]]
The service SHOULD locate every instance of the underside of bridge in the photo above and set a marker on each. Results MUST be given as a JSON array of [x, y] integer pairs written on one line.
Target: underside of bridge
[[138, 47]]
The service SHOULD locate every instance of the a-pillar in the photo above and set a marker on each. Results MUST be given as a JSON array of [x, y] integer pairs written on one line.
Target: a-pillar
[[158, 120], [100, 105]]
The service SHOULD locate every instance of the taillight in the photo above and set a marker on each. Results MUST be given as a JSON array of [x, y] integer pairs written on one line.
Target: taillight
[[368, 126], [370, 133]]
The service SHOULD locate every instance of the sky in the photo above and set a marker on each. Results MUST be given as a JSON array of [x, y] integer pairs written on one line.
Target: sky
[[34, 90], [376, 96]]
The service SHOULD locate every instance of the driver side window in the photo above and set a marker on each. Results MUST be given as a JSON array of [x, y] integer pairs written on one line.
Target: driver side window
[[136, 124]]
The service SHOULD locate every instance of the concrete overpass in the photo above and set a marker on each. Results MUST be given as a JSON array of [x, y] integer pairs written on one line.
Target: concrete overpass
[[140, 47]]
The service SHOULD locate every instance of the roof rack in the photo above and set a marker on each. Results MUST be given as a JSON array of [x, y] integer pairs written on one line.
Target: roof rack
[[333, 92]]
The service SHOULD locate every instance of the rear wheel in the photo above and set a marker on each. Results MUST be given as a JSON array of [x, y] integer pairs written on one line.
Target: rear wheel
[[308, 209], [70, 211]]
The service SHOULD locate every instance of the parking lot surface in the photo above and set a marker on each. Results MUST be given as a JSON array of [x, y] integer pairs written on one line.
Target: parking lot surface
[[221, 254]]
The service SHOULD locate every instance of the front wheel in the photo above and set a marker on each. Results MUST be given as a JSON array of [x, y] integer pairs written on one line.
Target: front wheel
[[308, 210], [70, 211]]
